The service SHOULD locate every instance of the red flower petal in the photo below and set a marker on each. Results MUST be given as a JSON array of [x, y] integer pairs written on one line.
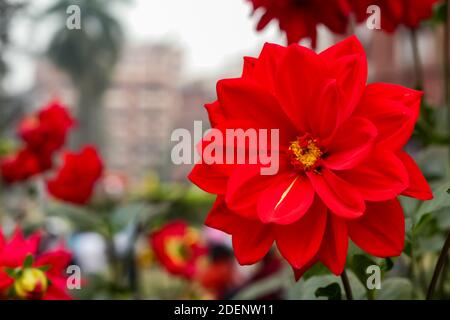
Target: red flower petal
[[393, 109], [267, 65], [298, 80], [381, 231], [212, 178], [382, 176], [325, 114], [337, 194], [347, 63], [249, 66], [351, 144], [57, 260], [418, 185], [244, 189], [286, 200], [333, 252], [251, 238], [215, 113], [299, 242], [249, 102]]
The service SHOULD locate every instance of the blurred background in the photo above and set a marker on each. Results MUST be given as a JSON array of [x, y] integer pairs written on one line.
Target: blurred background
[[134, 72]]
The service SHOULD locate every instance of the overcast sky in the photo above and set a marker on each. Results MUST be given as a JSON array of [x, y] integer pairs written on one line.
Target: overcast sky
[[211, 32]]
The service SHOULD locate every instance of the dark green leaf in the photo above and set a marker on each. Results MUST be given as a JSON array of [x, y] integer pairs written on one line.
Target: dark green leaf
[[387, 264], [44, 268], [28, 263], [332, 292], [317, 270], [11, 272]]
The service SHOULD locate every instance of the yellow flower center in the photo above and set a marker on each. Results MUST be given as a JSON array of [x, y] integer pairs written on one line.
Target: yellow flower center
[[32, 284], [179, 248], [305, 153]]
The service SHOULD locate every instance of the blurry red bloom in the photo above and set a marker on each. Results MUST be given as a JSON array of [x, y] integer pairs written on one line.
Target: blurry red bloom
[[178, 248], [27, 274], [43, 135], [46, 132], [396, 12], [20, 166], [341, 159], [299, 18], [77, 177]]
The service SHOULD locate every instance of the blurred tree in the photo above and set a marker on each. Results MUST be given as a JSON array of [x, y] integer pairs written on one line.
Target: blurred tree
[[88, 55], [8, 106]]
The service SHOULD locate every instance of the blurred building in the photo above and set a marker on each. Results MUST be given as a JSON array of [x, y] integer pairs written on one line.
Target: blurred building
[[140, 106], [140, 109], [195, 95]]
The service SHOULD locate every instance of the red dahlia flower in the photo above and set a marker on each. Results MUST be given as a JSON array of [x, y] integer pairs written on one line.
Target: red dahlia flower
[[76, 179], [299, 18], [396, 12], [341, 159], [43, 135], [27, 274], [178, 248], [46, 132]]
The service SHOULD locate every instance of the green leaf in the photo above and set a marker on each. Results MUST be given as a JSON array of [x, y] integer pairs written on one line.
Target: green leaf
[[28, 263], [427, 226], [306, 289], [11, 272], [317, 270], [332, 292], [407, 249], [441, 200], [387, 264], [44, 268], [440, 13]]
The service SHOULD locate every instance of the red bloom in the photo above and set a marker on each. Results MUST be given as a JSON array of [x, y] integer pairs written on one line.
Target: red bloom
[[178, 248], [299, 18], [43, 134], [19, 167], [342, 166], [46, 132], [76, 179], [44, 278], [396, 12]]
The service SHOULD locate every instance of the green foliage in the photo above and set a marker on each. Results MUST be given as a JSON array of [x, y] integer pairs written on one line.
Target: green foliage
[[331, 291], [305, 289], [440, 14]]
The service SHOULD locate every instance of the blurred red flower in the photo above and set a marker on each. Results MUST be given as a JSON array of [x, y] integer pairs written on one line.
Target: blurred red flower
[[46, 132], [77, 177], [43, 134], [178, 248], [19, 167], [299, 18], [396, 12], [27, 274], [340, 156]]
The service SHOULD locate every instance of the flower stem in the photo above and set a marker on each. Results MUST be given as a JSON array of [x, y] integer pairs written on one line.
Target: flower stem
[[438, 269], [347, 287], [418, 71]]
